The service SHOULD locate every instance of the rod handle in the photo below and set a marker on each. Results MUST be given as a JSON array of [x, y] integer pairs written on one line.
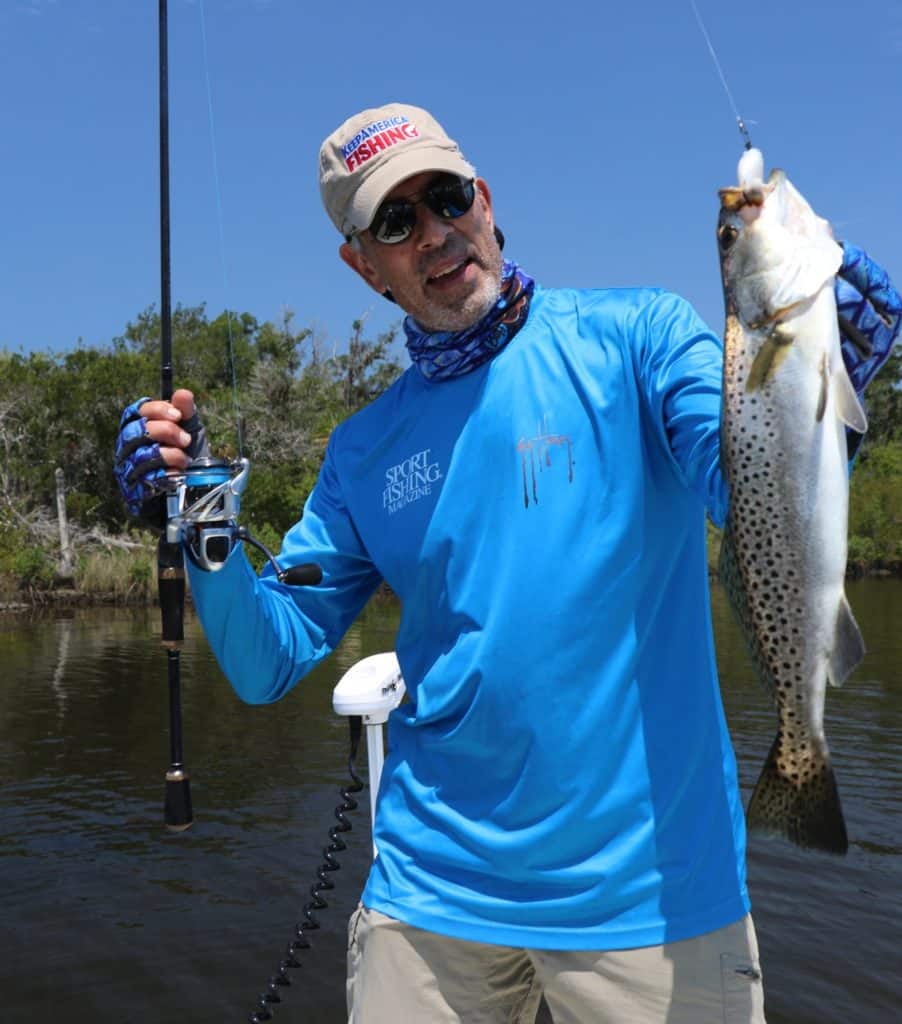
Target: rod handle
[[178, 813]]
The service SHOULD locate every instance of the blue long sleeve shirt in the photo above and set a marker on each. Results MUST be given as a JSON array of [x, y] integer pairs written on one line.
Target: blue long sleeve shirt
[[561, 775]]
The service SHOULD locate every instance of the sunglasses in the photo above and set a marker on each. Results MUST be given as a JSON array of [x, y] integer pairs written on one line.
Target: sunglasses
[[448, 197]]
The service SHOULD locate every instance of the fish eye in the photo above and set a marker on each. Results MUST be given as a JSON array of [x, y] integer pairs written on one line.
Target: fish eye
[[727, 235]]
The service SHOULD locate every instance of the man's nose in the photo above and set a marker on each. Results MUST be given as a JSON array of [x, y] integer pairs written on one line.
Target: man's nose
[[431, 230]]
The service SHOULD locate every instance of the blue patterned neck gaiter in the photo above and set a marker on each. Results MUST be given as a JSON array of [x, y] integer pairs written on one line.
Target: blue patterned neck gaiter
[[445, 354]]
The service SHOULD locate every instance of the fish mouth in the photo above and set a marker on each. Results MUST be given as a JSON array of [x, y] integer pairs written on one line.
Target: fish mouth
[[738, 200], [734, 199], [747, 202]]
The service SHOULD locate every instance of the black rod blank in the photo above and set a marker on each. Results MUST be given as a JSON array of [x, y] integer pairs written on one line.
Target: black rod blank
[[177, 812]]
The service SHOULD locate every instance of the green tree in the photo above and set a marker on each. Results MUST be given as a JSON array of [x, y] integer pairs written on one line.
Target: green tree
[[200, 347], [62, 409], [875, 505], [884, 403]]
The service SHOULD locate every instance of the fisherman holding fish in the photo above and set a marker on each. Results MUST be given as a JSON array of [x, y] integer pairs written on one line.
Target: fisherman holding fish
[[559, 811]]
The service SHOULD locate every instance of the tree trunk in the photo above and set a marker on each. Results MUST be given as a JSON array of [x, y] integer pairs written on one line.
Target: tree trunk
[[66, 569]]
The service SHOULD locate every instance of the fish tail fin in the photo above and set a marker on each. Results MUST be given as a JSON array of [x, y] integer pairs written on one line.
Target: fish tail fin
[[806, 811], [848, 645]]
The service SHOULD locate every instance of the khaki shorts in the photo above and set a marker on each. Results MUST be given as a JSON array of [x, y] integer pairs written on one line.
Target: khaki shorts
[[400, 973]]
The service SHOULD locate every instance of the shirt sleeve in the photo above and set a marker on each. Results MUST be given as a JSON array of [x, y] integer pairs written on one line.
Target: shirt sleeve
[[680, 368], [267, 635]]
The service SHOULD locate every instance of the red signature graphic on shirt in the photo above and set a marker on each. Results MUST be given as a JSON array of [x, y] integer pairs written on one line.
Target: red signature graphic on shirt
[[537, 452]]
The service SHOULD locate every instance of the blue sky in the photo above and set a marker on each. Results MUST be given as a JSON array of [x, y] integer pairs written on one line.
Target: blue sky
[[602, 129]]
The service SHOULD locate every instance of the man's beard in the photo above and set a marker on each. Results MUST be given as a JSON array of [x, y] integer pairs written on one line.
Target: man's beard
[[435, 315]]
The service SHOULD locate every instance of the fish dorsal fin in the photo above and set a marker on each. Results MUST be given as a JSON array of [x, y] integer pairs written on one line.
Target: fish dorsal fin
[[848, 407], [848, 646]]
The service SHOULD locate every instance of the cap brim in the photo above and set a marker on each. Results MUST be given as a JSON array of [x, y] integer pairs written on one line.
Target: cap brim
[[384, 178]]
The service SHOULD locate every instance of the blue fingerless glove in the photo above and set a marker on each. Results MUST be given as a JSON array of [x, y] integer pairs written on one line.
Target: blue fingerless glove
[[867, 303], [138, 465], [870, 315]]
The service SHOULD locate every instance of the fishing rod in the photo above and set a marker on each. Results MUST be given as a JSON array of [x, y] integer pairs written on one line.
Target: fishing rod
[[202, 500], [177, 813]]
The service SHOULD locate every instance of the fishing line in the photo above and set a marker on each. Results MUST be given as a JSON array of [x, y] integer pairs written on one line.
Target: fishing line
[[298, 575], [220, 224], [742, 128]]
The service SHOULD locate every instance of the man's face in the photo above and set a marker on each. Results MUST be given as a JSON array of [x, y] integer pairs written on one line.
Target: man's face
[[447, 274]]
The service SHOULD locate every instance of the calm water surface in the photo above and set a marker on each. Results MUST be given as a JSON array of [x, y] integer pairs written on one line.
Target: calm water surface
[[104, 916]]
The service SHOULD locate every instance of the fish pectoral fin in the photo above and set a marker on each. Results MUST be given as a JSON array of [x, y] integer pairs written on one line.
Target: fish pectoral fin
[[773, 351], [803, 808], [848, 407], [824, 389], [848, 645]]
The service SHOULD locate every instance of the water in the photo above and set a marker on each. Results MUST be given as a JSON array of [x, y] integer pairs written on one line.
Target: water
[[104, 916]]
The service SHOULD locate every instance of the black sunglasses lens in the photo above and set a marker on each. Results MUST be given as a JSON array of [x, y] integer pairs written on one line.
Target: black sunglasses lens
[[393, 222], [448, 197]]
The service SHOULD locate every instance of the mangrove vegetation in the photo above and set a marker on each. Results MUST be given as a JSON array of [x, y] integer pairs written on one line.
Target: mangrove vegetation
[[59, 416]]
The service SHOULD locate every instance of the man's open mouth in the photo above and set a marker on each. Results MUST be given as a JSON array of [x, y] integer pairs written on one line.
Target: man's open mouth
[[450, 274]]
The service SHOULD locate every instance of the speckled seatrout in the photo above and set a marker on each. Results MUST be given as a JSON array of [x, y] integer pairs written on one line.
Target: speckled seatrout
[[786, 400]]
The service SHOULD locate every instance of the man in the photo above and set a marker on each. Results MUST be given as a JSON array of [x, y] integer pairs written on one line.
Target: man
[[559, 810]]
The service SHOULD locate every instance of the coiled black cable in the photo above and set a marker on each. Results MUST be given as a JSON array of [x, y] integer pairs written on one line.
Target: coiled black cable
[[323, 883]]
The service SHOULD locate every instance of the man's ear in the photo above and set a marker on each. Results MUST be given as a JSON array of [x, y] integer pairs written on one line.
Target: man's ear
[[486, 197], [356, 259]]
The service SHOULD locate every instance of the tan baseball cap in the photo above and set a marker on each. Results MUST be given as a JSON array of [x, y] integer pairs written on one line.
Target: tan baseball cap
[[363, 160]]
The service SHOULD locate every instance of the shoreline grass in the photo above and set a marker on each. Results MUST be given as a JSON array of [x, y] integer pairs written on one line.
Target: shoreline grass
[[130, 577]]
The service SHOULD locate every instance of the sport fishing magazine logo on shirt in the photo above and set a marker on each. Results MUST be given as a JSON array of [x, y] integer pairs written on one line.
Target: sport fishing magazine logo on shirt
[[376, 137], [409, 481]]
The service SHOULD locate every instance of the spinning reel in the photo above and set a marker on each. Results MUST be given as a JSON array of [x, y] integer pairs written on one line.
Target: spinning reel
[[202, 505]]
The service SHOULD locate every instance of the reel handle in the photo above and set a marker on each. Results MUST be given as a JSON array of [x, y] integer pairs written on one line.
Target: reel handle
[[309, 574]]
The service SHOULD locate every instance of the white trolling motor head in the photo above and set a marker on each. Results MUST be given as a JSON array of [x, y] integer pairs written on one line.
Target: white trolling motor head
[[372, 688]]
